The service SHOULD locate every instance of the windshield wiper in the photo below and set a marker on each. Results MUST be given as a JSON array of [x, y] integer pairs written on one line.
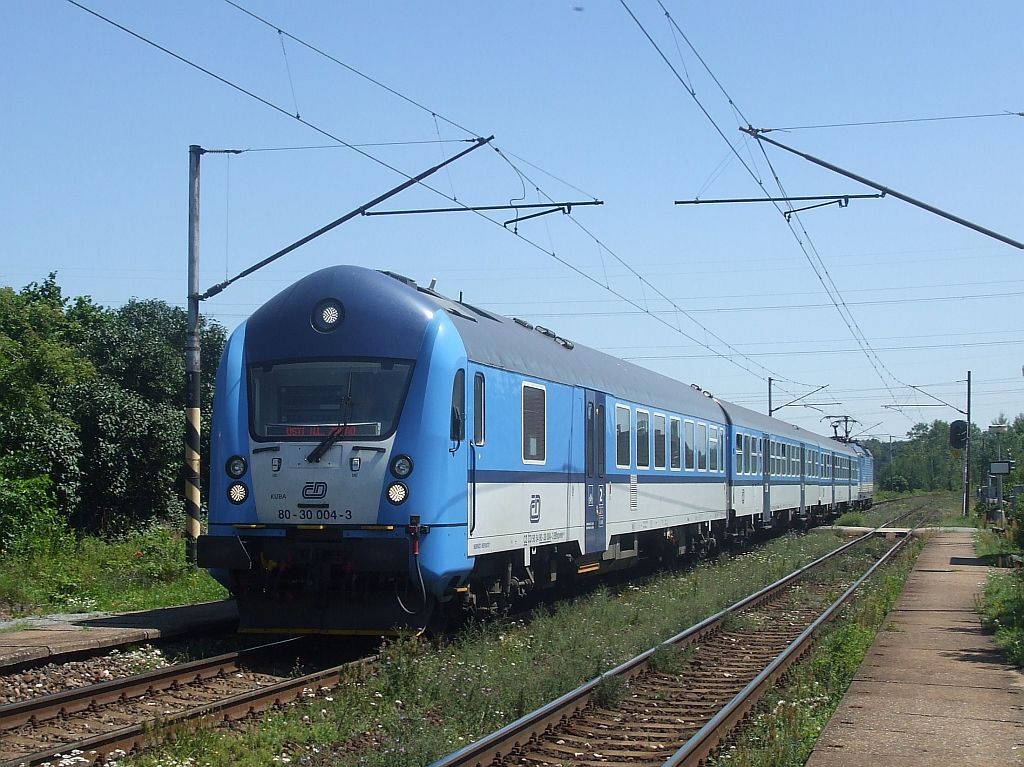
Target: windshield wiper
[[338, 432]]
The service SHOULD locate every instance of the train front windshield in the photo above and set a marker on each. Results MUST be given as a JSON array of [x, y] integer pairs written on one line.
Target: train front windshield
[[313, 400]]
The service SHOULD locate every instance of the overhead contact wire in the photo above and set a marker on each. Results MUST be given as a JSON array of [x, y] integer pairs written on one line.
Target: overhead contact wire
[[436, 116], [850, 321]]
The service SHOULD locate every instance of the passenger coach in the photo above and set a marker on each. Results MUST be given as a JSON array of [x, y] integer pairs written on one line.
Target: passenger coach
[[382, 453]]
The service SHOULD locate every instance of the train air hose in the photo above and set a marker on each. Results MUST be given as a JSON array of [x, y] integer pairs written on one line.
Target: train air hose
[[413, 529]]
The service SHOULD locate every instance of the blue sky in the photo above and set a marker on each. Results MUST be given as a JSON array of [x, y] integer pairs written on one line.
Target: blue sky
[[98, 126]]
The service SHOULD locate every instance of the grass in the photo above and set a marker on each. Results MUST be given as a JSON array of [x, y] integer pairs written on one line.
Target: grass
[[1002, 608], [144, 570], [944, 506], [427, 700], [785, 725], [1002, 603]]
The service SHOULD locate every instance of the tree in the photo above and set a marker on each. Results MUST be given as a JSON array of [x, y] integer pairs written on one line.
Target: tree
[[92, 410]]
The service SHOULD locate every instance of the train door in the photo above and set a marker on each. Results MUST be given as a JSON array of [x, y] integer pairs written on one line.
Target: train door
[[803, 478], [595, 477], [477, 417], [766, 465], [831, 495]]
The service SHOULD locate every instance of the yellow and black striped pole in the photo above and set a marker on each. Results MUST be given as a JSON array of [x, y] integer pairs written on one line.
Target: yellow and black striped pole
[[193, 400]]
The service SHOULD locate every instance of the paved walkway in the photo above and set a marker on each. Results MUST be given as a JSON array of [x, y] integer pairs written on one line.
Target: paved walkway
[[933, 690], [59, 636]]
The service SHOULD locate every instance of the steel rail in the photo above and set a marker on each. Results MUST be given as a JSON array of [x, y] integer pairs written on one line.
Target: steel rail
[[701, 744], [239, 706], [500, 743], [57, 704]]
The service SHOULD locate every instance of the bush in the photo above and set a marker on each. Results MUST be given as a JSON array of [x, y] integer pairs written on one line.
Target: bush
[[131, 453], [1003, 610], [851, 519], [28, 519], [140, 570]]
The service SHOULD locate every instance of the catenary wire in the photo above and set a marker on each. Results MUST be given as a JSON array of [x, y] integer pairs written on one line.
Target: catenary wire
[[515, 232], [896, 122], [836, 298]]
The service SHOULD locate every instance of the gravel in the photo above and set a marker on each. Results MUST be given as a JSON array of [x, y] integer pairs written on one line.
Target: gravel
[[57, 677]]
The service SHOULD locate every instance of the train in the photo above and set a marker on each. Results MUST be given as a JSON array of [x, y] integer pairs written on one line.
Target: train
[[383, 457]]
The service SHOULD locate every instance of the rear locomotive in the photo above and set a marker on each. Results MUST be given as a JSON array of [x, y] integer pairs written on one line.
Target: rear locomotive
[[332, 459]]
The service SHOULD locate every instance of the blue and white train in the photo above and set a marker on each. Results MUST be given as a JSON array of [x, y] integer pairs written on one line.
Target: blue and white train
[[382, 454]]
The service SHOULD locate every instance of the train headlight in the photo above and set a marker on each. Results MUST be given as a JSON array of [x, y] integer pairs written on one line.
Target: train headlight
[[401, 466], [235, 467], [327, 315], [397, 493], [237, 493]]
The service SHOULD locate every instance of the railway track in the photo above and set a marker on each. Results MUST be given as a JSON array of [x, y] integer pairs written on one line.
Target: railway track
[[672, 705], [128, 714]]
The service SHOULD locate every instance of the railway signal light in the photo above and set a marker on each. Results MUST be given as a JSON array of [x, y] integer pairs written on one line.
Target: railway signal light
[[958, 435]]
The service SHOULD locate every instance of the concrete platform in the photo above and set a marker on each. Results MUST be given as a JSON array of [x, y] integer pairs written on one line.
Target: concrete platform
[[933, 690], [56, 637]]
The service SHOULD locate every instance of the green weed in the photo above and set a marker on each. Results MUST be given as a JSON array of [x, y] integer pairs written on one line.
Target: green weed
[[140, 571], [671, 659], [610, 692], [1002, 608], [851, 519]]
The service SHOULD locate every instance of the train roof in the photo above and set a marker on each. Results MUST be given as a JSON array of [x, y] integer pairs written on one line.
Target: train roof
[[389, 305], [751, 419], [516, 345]]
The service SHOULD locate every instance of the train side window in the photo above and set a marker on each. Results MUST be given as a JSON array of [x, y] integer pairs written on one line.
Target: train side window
[[643, 439], [534, 423], [676, 448], [602, 430], [623, 459], [688, 440], [738, 467], [746, 454], [702, 447], [458, 421], [659, 441], [479, 409], [721, 449], [713, 449]]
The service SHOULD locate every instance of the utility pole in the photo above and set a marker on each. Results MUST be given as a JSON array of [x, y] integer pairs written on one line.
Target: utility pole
[[770, 409], [193, 400], [967, 453], [891, 473], [193, 392]]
